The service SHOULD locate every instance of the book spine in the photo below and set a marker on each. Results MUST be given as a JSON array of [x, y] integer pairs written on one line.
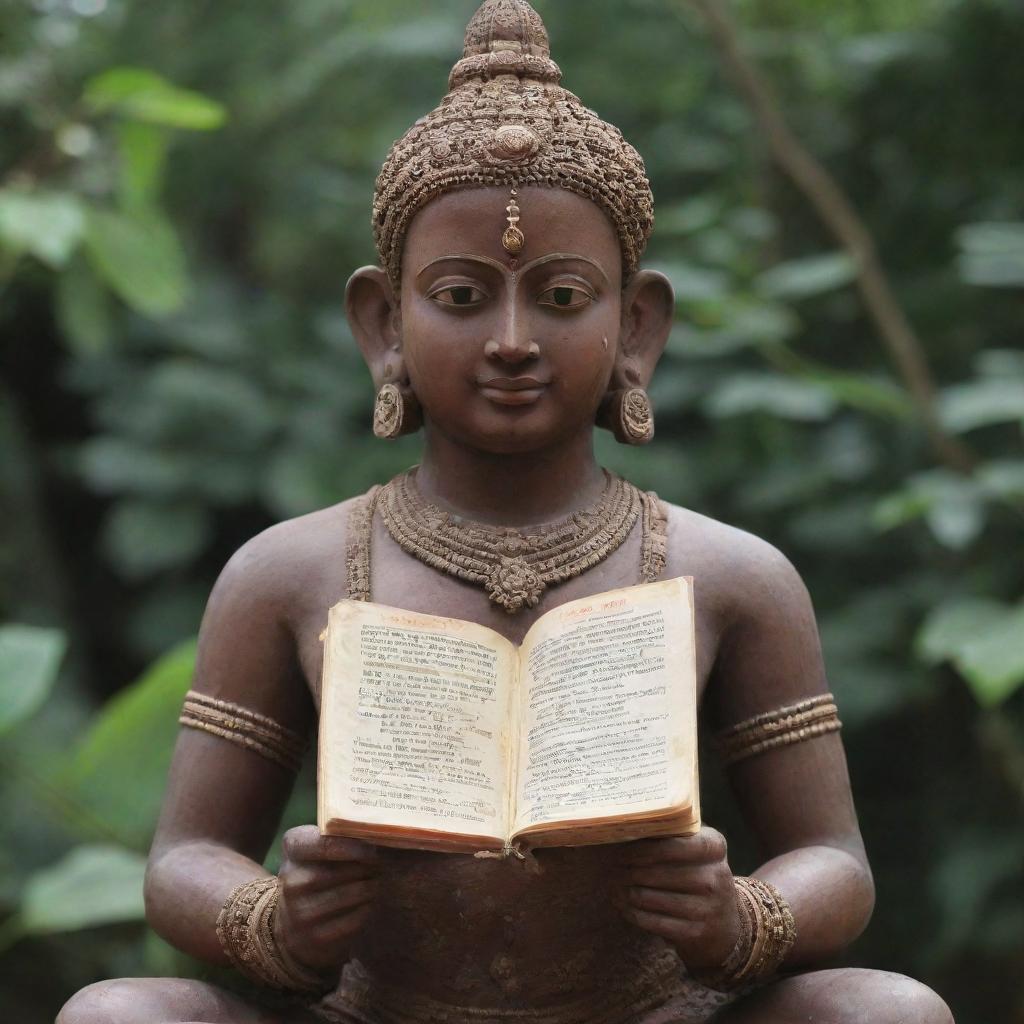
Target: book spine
[[514, 719]]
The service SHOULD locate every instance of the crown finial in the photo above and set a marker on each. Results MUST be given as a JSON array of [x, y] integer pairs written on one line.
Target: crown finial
[[507, 25]]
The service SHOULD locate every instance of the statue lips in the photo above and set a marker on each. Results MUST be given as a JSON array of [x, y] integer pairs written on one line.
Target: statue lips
[[512, 390]]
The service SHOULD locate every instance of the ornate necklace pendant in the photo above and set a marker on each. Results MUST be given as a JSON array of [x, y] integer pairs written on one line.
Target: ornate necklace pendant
[[514, 585]]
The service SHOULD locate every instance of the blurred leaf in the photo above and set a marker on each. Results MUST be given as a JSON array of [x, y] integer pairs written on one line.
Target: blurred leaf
[[982, 403], [984, 639], [759, 322], [957, 519], [874, 395], [146, 96], [119, 769], [952, 505], [1000, 362], [953, 625], [900, 508], [140, 257], [878, 48], [738, 323], [693, 283], [113, 465], [144, 538], [143, 152], [83, 310], [93, 885], [992, 254], [992, 661], [839, 525], [30, 658], [192, 398], [803, 278], [690, 216], [752, 223], [48, 225], [786, 397], [1003, 478]]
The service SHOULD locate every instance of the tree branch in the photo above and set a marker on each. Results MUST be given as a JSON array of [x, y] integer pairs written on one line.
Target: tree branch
[[841, 218]]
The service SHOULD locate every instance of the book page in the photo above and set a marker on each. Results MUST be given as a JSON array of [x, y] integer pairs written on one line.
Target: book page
[[608, 705], [413, 725]]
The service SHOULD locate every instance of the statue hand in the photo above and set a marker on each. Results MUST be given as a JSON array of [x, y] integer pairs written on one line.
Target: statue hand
[[327, 887], [682, 889]]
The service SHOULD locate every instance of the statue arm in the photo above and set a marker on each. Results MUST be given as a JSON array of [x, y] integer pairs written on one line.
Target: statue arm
[[224, 802], [796, 799]]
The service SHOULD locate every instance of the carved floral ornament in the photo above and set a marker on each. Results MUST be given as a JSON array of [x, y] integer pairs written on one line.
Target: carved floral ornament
[[637, 416], [514, 142]]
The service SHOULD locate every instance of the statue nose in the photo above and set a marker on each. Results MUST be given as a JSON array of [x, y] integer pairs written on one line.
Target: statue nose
[[512, 347]]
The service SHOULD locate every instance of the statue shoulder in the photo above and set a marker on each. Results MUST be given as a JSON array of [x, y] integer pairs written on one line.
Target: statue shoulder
[[736, 573], [289, 566], [758, 617]]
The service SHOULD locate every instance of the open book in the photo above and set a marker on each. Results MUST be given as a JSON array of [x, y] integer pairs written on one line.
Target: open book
[[440, 734]]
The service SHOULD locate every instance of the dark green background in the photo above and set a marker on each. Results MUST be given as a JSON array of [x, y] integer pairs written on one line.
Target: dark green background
[[177, 374]]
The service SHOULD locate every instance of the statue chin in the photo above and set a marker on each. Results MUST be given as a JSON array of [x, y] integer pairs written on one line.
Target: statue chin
[[520, 434]]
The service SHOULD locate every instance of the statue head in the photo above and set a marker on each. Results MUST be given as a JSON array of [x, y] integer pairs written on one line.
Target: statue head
[[512, 218]]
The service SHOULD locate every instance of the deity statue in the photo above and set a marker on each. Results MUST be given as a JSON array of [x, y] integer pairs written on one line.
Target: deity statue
[[508, 317]]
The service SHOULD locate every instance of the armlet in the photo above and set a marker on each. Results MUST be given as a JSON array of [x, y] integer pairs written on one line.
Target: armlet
[[794, 723], [244, 728]]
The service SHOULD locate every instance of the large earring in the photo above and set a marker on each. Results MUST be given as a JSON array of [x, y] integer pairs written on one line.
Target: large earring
[[629, 416], [396, 412]]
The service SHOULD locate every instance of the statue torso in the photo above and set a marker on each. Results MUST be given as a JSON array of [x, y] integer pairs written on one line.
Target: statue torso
[[477, 932]]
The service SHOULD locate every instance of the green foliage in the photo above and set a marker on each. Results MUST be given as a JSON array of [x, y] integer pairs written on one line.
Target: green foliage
[[118, 768], [47, 225], [984, 639], [992, 254], [983, 403], [807, 277], [140, 257], [29, 660], [142, 95], [183, 191], [93, 885]]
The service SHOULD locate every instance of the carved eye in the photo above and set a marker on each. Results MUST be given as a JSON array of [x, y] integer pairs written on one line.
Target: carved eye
[[459, 295], [565, 297]]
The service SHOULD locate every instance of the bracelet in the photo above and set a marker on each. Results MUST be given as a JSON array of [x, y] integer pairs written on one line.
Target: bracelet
[[767, 934], [245, 928]]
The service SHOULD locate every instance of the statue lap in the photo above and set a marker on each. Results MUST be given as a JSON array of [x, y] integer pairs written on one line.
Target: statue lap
[[168, 1001], [845, 996]]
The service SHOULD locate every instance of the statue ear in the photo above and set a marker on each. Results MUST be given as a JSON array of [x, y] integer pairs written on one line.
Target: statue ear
[[376, 321], [648, 310]]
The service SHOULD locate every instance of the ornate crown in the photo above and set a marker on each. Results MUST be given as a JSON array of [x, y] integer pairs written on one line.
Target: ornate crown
[[507, 121]]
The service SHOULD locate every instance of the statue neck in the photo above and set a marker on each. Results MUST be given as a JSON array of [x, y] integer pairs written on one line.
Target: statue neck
[[513, 490]]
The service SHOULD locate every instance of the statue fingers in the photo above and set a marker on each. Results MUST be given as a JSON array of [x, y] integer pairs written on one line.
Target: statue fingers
[[706, 847], [306, 844], [682, 906], [696, 879], [316, 878]]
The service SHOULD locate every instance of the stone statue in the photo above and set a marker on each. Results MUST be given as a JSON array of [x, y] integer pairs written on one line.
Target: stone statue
[[509, 315]]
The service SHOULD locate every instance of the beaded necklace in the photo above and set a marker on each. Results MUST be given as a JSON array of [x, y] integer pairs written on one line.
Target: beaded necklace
[[514, 566]]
